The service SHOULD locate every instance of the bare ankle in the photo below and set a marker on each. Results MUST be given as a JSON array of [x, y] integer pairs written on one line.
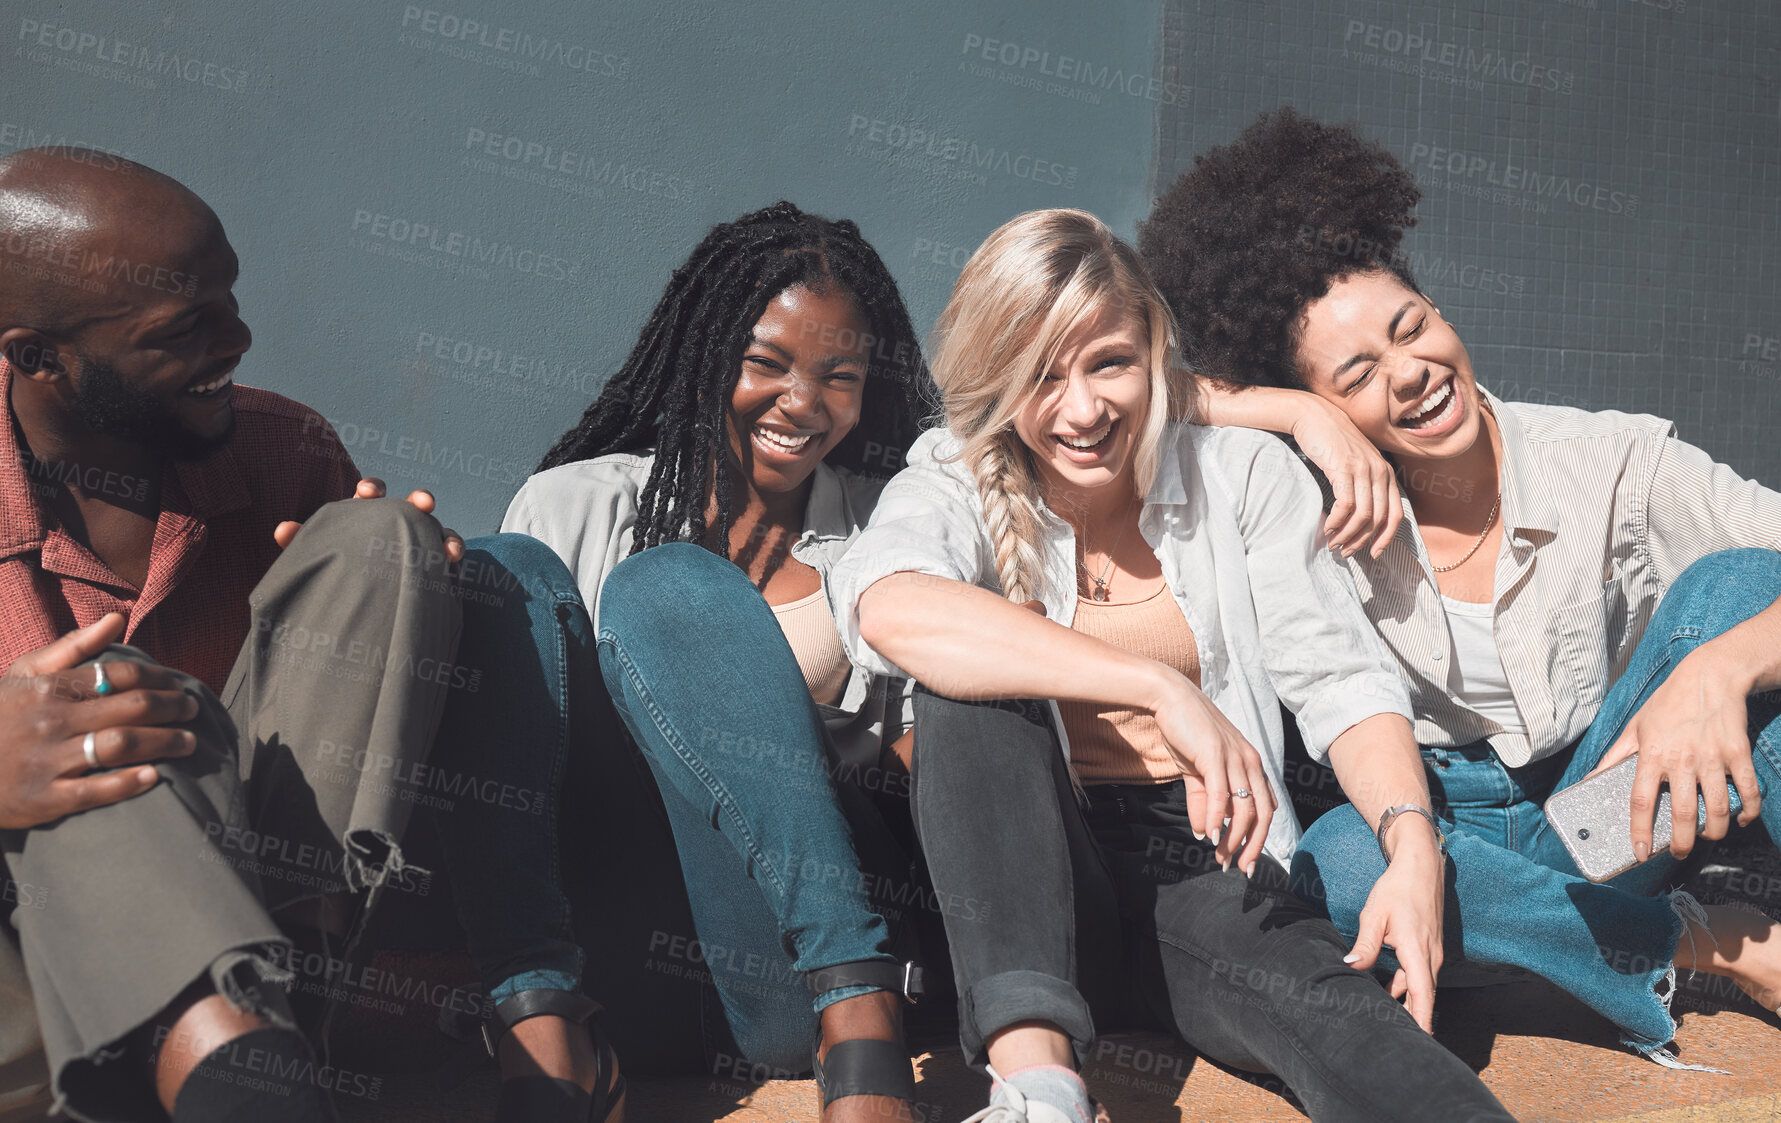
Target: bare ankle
[[1738, 944], [873, 1016], [1025, 1044], [549, 1046]]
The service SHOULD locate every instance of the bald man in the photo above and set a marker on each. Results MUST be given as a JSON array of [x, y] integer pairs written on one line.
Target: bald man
[[147, 500]]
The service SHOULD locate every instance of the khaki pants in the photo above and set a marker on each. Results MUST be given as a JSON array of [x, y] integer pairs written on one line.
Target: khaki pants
[[300, 786]]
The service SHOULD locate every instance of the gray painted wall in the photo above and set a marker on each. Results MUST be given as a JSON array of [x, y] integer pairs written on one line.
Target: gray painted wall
[[364, 154], [1601, 214], [360, 152]]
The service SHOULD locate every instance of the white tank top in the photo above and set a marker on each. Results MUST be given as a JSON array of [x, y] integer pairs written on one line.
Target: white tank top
[[1483, 684]]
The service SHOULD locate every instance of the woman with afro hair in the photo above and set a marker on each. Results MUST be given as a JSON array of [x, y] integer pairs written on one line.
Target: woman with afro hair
[[662, 583], [1560, 589]]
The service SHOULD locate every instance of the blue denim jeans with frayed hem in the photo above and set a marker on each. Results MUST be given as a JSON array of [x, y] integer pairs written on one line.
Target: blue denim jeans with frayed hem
[[1514, 897], [692, 661]]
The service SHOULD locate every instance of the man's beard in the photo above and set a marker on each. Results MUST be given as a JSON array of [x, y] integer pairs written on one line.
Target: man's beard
[[105, 405]]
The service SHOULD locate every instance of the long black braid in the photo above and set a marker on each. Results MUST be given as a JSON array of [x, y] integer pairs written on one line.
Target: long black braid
[[673, 392]]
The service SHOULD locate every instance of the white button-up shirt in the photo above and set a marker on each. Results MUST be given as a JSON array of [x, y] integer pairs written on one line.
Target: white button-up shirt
[[1601, 513], [1235, 521], [586, 511]]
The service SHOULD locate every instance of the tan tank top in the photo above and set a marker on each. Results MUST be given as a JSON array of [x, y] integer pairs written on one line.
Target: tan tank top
[[810, 629], [1119, 745]]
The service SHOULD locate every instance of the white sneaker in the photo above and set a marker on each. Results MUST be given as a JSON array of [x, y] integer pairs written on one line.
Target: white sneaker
[[1018, 1109]]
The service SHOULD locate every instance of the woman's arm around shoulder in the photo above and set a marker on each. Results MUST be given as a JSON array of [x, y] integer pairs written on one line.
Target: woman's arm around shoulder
[[1368, 506]]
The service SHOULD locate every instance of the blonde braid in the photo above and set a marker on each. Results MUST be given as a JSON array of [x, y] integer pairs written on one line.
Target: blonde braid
[[1005, 486]]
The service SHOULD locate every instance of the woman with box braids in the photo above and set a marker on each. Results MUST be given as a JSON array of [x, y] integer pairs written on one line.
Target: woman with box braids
[[734, 802], [672, 392]]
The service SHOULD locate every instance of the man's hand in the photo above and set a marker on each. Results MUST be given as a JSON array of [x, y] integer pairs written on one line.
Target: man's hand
[[372, 488], [1693, 734], [46, 710], [1406, 911]]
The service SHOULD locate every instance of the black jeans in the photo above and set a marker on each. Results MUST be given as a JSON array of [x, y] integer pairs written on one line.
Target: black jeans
[[1114, 912]]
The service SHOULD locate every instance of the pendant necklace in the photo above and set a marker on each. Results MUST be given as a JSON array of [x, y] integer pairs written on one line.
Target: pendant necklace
[[1099, 592]]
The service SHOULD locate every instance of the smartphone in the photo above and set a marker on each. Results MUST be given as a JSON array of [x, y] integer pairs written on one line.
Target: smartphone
[[1594, 819]]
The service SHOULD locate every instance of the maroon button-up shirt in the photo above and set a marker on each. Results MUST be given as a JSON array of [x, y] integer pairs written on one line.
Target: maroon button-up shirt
[[213, 540]]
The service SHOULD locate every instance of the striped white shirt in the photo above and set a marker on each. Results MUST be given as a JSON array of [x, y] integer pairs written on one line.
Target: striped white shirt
[[1601, 513]]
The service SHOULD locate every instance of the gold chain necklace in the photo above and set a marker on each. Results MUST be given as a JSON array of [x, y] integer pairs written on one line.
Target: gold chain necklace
[[1489, 522]]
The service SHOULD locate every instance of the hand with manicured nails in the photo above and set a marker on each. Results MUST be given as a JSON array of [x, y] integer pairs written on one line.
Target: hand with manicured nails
[[373, 488], [1692, 734], [1368, 507], [1406, 910], [47, 708], [1215, 761]]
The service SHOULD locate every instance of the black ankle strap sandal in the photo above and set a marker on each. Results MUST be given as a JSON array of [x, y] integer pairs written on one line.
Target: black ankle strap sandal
[[866, 1067], [533, 1099]]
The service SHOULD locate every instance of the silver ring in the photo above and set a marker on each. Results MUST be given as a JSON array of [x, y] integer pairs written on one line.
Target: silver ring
[[101, 684], [1242, 793], [90, 746]]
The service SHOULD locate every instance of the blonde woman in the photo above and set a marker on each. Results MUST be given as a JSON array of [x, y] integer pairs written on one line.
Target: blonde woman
[[1088, 588]]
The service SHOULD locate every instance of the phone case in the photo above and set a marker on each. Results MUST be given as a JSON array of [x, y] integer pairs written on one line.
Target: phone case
[[1594, 820]]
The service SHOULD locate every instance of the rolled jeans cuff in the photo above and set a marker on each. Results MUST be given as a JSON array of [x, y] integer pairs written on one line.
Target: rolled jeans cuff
[[1011, 997], [535, 980], [829, 997]]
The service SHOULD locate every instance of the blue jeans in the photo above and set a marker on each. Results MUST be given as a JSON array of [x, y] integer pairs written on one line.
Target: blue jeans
[[508, 741], [1513, 894], [705, 682], [720, 852]]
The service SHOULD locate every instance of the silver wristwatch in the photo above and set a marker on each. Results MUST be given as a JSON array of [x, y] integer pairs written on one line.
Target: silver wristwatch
[[1391, 816]]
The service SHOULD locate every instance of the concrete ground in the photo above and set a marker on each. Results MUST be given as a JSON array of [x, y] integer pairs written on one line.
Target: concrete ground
[[1546, 1056]]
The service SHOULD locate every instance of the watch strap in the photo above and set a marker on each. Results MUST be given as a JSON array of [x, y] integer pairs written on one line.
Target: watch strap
[[1391, 816]]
